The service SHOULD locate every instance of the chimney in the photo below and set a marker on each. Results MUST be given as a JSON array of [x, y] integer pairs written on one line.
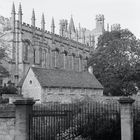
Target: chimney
[[90, 70]]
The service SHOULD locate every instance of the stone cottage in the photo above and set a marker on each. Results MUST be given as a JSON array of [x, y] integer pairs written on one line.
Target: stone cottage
[[55, 85]]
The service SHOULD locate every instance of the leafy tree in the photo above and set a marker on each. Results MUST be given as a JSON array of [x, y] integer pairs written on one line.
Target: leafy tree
[[2, 53], [9, 89], [114, 62]]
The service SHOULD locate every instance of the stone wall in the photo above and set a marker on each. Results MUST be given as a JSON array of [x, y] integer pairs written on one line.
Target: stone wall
[[7, 122], [67, 95], [31, 87], [12, 97]]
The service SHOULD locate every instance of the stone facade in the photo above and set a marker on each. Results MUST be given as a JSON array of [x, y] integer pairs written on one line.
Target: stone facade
[[68, 95], [30, 45], [7, 122], [82, 34], [7, 128]]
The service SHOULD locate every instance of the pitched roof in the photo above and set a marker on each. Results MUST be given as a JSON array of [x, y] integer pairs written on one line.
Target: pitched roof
[[67, 79]]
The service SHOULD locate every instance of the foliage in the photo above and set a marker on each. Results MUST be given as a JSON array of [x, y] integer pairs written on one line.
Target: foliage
[[90, 120], [2, 53], [98, 121], [114, 62], [9, 89], [4, 50]]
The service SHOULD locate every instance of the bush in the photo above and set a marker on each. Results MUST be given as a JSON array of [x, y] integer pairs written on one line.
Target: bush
[[99, 122], [10, 89], [90, 120]]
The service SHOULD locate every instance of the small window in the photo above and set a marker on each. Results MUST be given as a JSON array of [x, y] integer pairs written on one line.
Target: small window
[[30, 81]]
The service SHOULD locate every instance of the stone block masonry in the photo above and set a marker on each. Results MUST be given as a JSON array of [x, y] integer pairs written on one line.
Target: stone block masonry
[[7, 122]]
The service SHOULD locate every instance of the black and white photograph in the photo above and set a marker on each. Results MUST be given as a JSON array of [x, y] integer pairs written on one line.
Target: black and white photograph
[[69, 70]]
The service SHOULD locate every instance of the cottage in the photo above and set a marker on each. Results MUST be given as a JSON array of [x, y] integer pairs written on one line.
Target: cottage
[[54, 85]]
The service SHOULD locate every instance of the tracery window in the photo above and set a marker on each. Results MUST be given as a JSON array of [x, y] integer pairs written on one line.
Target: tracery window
[[43, 58], [56, 58], [34, 55], [65, 59], [26, 50], [40, 55]]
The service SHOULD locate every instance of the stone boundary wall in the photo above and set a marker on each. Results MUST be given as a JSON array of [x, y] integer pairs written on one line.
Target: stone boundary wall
[[7, 122], [14, 119]]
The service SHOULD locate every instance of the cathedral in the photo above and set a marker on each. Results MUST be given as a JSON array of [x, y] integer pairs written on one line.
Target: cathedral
[[29, 45]]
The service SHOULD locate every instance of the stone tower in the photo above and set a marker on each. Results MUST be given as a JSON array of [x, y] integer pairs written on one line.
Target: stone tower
[[99, 30], [100, 23], [115, 27]]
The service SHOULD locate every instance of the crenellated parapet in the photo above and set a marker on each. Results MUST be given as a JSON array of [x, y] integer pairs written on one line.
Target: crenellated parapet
[[48, 35], [100, 17], [115, 27]]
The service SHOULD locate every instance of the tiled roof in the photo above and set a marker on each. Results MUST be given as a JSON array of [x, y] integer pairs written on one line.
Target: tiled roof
[[67, 79]]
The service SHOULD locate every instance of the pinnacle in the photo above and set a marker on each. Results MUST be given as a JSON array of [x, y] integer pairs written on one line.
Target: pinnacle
[[13, 8], [71, 25], [43, 19], [53, 25], [20, 9], [33, 14]]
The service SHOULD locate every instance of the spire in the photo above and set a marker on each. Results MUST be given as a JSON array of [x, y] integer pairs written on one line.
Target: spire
[[53, 26], [43, 22], [71, 25], [13, 17], [20, 14], [33, 18], [13, 9], [20, 9], [77, 35], [83, 34], [107, 27]]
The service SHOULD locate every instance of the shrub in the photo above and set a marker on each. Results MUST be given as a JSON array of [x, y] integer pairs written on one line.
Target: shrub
[[10, 89]]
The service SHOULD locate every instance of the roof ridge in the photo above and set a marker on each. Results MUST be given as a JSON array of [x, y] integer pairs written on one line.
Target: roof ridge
[[72, 71]]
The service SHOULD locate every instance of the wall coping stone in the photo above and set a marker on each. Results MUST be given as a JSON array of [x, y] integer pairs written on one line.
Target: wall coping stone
[[25, 101], [126, 100]]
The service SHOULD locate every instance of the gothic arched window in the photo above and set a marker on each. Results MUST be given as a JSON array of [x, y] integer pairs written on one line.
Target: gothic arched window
[[26, 50], [73, 61], [43, 58], [34, 55], [80, 62], [40, 55], [57, 57], [65, 59]]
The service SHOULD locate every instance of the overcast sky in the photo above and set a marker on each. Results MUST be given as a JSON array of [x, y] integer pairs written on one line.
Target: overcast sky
[[125, 12]]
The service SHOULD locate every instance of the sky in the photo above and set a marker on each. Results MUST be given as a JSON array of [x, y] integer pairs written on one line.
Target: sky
[[124, 12]]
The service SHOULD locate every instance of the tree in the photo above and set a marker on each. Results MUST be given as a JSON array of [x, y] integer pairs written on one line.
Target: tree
[[114, 62], [4, 50], [2, 53], [9, 89]]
